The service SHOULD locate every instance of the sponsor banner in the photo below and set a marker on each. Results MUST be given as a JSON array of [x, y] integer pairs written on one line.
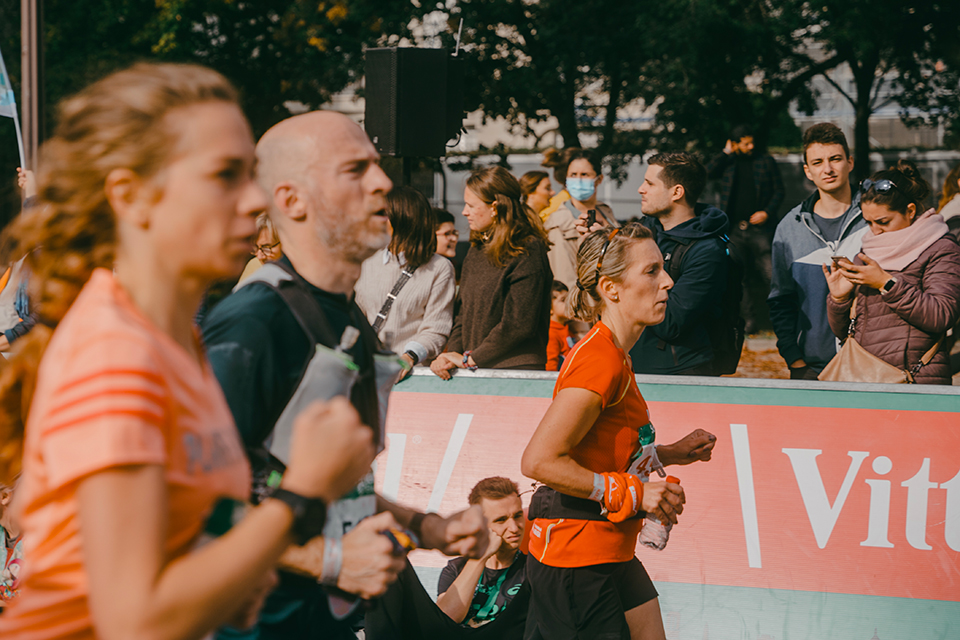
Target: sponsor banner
[[842, 498]]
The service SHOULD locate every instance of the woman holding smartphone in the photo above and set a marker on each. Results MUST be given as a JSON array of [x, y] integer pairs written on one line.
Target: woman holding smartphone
[[146, 197], [905, 282]]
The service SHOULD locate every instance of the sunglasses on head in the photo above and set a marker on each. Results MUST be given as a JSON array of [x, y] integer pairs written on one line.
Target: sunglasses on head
[[603, 252], [880, 186]]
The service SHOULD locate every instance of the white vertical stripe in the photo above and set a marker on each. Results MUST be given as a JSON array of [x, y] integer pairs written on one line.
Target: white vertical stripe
[[459, 434], [748, 498], [391, 478]]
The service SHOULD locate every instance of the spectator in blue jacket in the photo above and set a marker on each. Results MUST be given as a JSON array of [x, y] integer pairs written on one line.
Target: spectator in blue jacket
[[680, 345], [828, 223]]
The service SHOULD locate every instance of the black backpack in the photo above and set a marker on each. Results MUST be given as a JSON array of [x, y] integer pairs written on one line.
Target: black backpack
[[727, 332]]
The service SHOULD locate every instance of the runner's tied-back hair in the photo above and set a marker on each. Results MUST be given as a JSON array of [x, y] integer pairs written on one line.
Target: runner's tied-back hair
[[584, 301]]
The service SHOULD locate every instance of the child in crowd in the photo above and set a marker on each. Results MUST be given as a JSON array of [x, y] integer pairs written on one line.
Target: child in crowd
[[11, 549], [560, 339]]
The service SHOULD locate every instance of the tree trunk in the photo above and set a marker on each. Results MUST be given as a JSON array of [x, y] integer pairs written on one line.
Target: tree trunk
[[864, 74], [565, 108], [614, 90]]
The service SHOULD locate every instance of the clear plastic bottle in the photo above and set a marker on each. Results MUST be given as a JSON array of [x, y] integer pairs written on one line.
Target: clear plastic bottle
[[654, 533]]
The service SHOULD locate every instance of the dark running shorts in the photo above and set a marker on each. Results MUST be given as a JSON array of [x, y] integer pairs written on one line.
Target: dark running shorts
[[585, 602]]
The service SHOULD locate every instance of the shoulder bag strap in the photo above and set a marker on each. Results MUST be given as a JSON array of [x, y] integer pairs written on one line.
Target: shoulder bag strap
[[928, 356], [405, 275]]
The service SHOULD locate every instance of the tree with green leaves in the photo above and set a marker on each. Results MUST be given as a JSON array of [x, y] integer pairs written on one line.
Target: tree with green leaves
[[274, 51], [896, 52]]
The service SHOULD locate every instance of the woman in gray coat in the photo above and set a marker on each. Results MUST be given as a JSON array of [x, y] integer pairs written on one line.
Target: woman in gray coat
[[906, 280]]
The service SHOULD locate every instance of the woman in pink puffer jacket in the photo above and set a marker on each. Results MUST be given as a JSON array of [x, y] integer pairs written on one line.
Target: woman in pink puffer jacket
[[906, 280]]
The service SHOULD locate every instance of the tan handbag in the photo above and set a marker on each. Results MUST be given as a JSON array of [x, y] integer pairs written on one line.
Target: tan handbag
[[853, 363]]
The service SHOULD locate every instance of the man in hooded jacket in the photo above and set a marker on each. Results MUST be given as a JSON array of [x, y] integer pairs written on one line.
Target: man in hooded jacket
[[681, 345]]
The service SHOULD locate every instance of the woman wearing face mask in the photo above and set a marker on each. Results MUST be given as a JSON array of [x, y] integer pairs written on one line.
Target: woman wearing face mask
[[905, 281], [503, 312], [580, 172]]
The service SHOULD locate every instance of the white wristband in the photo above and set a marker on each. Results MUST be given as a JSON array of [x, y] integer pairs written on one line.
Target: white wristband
[[599, 487], [332, 561]]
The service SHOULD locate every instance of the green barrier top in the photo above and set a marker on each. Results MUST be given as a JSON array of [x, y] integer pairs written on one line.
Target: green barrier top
[[748, 391]]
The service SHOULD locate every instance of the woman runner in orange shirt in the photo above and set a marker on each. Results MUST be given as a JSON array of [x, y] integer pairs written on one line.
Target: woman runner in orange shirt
[[585, 580], [146, 197]]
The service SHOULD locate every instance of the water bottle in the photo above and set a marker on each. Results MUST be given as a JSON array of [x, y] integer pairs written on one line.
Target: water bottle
[[654, 533]]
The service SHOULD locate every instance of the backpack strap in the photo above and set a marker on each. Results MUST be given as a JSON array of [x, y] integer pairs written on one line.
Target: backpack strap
[[290, 286], [295, 292], [675, 259]]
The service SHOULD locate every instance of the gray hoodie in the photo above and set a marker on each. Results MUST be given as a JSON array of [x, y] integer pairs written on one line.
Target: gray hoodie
[[798, 290]]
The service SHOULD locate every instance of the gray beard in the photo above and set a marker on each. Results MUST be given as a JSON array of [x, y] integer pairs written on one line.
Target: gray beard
[[348, 245]]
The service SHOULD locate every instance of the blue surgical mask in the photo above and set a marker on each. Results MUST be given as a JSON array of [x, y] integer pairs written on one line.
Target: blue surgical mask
[[581, 188]]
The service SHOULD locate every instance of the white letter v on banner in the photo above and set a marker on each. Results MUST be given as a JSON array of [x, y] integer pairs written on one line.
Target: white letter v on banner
[[822, 515]]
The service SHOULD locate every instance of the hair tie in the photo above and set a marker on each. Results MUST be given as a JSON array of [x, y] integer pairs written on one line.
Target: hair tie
[[580, 286]]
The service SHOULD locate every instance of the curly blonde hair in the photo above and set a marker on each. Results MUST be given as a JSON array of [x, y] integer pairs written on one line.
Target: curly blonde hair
[[118, 122]]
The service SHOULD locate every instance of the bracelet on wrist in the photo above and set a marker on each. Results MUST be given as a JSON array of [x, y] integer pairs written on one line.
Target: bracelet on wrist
[[332, 561], [599, 487], [466, 361]]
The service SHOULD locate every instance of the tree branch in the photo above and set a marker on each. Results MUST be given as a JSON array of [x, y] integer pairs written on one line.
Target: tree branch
[[840, 89]]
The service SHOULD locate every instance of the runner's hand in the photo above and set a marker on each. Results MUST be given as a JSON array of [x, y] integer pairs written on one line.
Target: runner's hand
[[369, 564], [663, 500], [696, 446], [462, 534], [330, 450]]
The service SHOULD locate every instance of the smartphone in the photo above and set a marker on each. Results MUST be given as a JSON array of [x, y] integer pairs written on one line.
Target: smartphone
[[837, 259], [591, 218]]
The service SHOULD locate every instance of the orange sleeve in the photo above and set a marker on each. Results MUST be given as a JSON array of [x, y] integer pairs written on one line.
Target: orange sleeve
[[595, 368], [107, 407]]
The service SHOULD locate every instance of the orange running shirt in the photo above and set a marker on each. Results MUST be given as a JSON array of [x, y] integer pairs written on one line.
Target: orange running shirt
[[597, 364], [113, 390]]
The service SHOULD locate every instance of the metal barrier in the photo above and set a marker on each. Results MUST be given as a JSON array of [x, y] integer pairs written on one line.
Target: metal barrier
[[829, 511]]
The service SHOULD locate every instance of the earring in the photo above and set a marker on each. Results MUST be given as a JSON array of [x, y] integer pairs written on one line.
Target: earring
[[616, 298]]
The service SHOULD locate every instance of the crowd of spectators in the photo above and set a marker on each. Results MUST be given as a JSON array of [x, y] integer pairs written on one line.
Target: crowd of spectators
[[177, 485]]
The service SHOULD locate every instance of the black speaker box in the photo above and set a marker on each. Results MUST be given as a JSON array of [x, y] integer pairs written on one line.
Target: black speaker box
[[414, 100]]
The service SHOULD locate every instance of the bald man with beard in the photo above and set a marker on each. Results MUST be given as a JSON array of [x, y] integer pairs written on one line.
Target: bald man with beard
[[327, 196]]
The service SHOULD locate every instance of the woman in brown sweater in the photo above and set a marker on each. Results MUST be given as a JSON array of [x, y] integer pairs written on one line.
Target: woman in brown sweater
[[502, 316], [906, 281]]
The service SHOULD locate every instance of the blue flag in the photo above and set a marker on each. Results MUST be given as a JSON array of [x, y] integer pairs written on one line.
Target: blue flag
[[8, 105], [8, 101]]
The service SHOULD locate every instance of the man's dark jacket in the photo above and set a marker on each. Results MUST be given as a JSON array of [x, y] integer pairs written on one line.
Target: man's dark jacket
[[766, 181], [681, 341]]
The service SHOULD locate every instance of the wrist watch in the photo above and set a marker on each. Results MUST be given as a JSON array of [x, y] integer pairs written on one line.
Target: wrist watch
[[309, 514], [413, 356], [888, 285]]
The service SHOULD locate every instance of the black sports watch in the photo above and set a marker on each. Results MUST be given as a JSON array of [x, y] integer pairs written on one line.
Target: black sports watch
[[309, 514], [413, 356], [888, 285]]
